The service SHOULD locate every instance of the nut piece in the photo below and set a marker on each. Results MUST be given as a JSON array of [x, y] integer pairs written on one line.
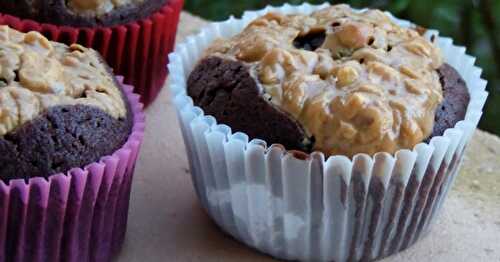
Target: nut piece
[[98, 7], [255, 51], [33, 37], [347, 130], [293, 95], [412, 87], [409, 72], [85, 5], [386, 72], [325, 64], [70, 61], [77, 47], [355, 102], [353, 35], [418, 48], [371, 89], [346, 75], [269, 17], [275, 65]]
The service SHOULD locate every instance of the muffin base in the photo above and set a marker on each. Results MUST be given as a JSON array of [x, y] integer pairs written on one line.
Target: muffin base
[[62, 138], [137, 50], [78, 216], [225, 89]]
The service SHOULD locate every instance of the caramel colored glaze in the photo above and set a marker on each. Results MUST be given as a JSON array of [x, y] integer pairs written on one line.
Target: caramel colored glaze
[[99, 7], [36, 74], [362, 85]]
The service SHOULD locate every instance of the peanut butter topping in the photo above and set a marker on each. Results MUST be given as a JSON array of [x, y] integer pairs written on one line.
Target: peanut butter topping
[[98, 7], [36, 74], [357, 82]]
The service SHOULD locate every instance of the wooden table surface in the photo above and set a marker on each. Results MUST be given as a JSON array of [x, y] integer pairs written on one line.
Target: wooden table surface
[[167, 224]]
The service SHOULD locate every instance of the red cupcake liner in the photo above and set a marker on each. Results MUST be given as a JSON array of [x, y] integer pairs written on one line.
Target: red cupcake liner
[[78, 216], [137, 50]]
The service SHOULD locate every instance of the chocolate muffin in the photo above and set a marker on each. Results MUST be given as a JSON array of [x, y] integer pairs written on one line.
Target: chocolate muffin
[[60, 107], [336, 81], [81, 12]]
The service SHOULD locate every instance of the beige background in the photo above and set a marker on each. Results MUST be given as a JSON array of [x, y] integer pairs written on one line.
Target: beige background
[[167, 223]]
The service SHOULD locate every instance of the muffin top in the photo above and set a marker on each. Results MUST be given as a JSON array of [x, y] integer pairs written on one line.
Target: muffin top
[[356, 81], [99, 7], [36, 74]]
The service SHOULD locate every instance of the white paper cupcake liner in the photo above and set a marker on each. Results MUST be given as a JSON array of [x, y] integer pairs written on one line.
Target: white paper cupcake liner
[[305, 207]]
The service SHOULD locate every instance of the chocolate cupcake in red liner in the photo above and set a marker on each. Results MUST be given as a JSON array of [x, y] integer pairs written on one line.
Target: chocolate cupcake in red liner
[[134, 37], [70, 133]]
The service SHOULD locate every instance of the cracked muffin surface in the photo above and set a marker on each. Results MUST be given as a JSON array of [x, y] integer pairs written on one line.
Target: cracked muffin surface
[[60, 106], [340, 81]]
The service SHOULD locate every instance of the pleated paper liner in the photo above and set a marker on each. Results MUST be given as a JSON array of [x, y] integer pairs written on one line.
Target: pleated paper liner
[[137, 50], [299, 206], [78, 216]]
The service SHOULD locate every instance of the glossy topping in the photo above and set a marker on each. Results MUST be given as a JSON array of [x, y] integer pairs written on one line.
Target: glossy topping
[[99, 7], [36, 74], [357, 82]]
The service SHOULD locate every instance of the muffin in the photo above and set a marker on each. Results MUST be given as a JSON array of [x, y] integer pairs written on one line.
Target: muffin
[[134, 36], [324, 133], [62, 111], [82, 12]]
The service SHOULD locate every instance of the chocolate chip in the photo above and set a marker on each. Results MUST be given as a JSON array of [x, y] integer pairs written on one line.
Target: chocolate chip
[[16, 78], [371, 40], [310, 41]]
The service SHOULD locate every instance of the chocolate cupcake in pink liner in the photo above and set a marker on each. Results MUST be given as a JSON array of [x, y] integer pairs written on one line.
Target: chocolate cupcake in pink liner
[[324, 133], [70, 133], [133, 36]]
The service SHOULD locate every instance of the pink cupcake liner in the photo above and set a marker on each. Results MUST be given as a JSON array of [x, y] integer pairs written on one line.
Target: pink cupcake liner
[[78, 216]]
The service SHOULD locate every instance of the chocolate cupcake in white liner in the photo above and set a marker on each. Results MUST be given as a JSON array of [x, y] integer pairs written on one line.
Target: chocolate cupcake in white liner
[[324, 193]]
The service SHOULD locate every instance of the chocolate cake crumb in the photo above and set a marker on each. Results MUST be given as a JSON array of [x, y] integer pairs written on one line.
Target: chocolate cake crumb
[[225, 90], [64, 137]]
